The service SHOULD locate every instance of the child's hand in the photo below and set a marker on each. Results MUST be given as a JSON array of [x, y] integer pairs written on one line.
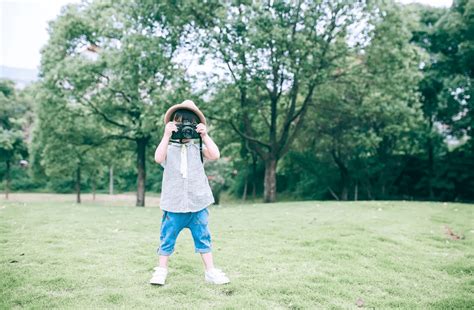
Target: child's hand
[[201, 129], [169, 128]]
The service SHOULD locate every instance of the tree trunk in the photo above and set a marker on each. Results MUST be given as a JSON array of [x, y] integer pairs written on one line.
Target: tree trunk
[[217, 197], [369, 190], [254, 176], [356, 191], [111, 180], [344, 172], [333, 193], [93, 188], [141, 150], [78, 184], [244, 195], [270, 180], [7, 179], [430, 168], [344, 186]]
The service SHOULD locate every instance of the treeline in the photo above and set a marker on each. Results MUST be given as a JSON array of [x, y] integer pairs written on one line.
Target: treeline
[[345, 100]]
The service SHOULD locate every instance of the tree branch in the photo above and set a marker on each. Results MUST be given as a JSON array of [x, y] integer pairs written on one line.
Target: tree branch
[[122, 93], [243, 135], [104, 116], [118, 137], [264, 118]]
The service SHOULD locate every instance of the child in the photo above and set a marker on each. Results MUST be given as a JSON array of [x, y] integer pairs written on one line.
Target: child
[[185, 192]]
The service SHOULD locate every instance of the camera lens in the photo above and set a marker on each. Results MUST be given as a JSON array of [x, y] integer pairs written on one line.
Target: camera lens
[[187, 132]]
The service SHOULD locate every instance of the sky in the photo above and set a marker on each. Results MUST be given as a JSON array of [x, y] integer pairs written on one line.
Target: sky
[[23, 25], [23, 28]]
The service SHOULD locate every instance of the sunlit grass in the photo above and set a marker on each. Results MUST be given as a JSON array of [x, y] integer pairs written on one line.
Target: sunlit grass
[[283, 255]]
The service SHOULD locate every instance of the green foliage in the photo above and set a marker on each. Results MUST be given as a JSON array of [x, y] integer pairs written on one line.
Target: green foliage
[[15, 115], [109, 67], [447, 36], [349, 99], [118, 64], [358, 123], [309, 175], [219, 173], [13, 118]]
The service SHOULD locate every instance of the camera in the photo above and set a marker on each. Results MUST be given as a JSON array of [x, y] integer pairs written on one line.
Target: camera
[[186, 130]]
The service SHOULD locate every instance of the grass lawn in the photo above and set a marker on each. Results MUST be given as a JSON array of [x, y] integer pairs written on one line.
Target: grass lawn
[[298, 255]]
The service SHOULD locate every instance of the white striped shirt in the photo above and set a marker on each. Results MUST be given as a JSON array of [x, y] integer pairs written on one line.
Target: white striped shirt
[[185, 187]]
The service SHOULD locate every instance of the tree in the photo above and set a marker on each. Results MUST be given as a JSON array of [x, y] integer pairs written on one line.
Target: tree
[[276, 54], [455, 51], [13, 118], [115, 59], [445, 35], [366, 119], [71, 145]]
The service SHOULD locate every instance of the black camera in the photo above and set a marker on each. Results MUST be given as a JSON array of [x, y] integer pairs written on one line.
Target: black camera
[[186, 130]]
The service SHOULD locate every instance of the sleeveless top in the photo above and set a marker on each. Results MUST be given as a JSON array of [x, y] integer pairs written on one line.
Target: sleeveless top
[[185, 187]]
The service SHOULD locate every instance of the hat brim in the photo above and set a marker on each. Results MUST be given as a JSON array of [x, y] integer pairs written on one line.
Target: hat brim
[[185, 106]]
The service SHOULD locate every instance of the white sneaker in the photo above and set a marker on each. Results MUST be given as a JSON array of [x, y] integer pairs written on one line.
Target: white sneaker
[[216, 276], [159, 276]]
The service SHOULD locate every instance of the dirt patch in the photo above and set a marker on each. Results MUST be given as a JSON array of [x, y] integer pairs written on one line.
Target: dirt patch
[[127, 199], [448, 231]]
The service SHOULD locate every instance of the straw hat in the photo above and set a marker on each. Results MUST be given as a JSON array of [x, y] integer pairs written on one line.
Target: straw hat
[[188, 105]]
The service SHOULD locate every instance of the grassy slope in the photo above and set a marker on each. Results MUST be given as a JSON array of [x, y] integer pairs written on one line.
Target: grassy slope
[[283, 255]]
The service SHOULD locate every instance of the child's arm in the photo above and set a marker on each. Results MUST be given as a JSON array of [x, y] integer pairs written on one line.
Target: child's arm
[[211, 151], [162, 149]]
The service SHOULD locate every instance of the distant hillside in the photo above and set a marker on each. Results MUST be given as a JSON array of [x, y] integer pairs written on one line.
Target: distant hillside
[[20, 76]]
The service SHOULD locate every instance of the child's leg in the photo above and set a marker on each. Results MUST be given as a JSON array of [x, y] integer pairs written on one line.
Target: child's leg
[[163, 261], [171, 225], [202, 237], [207, 260]]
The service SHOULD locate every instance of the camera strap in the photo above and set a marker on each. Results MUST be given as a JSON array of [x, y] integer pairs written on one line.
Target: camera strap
[[200, 148]]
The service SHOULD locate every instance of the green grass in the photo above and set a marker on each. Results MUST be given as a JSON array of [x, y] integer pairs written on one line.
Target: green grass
[[285, 255]]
